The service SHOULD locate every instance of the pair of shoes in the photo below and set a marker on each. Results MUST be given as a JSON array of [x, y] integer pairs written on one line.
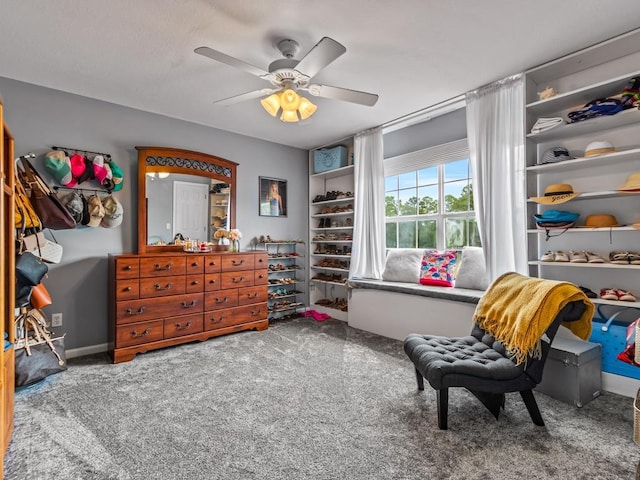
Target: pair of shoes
[[625, 258], [617, 294], [584, 257], [558, 256], [588, 292]]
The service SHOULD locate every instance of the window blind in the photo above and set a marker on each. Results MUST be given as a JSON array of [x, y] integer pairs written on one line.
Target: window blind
[[408, 162]]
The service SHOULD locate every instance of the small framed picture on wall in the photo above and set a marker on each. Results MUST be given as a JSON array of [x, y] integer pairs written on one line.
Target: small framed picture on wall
[[273, 197]]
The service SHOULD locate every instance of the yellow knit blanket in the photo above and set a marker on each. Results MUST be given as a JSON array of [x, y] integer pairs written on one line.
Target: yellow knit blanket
[[517, 310]]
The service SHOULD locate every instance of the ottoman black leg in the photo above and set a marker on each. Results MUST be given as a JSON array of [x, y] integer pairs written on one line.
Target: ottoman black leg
[[443, 407], [420, 380]]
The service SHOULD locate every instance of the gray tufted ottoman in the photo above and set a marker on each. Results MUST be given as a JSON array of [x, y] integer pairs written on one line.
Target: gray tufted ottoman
[[480, 364]]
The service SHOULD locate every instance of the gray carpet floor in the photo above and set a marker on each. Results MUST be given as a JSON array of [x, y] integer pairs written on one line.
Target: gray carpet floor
[[301, 400]]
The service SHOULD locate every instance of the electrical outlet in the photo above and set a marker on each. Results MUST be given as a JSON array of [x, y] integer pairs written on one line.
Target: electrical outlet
[[56, 320]]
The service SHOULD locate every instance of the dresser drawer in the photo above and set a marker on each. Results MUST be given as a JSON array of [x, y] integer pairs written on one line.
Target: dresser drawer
[[127, 289], [212, 282], [260, 261], [249, 295], [183, 325], [138, 333], [194, 283], [221, 299], [237, 261], [127, 268], [162, 307], [212, 263], [235, 316], [194, 264], [162, 266], [260, 277], [162, 286], [243, 278]]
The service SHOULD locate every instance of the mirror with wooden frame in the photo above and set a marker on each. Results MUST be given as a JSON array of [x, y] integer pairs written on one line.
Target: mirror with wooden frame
[[182, 194]]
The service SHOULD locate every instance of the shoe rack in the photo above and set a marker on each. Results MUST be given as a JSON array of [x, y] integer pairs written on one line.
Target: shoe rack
[[331, 205], [597, 258], [286, 278]]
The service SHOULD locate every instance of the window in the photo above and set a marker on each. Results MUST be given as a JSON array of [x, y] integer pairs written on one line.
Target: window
[[428, 199]]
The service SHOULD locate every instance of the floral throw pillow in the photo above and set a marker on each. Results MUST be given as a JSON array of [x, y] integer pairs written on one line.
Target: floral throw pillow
[[438, 268]]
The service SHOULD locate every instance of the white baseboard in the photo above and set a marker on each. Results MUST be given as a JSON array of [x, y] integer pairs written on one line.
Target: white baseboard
[[621, 385], [90, 350]]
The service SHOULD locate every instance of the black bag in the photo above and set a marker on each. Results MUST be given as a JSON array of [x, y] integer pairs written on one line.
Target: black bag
[[52, 213], [40, 362], [30, 270], [37, 354]]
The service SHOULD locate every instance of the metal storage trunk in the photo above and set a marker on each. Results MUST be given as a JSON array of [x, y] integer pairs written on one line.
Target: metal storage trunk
[[573, 371]]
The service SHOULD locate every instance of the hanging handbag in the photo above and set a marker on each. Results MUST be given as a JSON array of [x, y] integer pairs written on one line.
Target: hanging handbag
[[52, 213], [38, 355], [25, 215], [40, 296], [38, 244], [30, 270]]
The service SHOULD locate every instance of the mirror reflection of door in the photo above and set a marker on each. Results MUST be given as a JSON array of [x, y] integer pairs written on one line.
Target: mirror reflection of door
[[190, 210]]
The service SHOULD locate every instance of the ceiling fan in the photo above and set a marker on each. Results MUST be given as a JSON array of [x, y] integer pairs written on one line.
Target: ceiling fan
[[288, 76]]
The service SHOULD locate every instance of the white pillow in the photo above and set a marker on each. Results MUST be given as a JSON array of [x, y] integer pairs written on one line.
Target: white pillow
[[403, 265], [472, 272]]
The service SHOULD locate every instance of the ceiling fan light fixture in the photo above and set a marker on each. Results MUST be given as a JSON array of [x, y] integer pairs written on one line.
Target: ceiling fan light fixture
[[289, 100], [306, 108], [289, 116], [271, 104]]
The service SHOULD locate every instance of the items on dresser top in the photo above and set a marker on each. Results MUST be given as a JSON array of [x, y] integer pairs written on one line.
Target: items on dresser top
[[159, 300]]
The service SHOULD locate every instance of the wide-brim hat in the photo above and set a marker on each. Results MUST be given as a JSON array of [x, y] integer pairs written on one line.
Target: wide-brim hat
[[632, 184], [600, 220], [600, 147], [556, 193]]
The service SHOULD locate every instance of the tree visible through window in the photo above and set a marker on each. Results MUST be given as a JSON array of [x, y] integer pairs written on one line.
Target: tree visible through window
[[431, 207]]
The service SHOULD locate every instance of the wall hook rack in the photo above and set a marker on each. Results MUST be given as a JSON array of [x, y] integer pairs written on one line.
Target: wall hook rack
[[78, 150], [94, 190]]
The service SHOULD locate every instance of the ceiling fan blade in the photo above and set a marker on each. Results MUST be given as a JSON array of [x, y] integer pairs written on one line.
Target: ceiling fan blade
[[233, 62], [344, 94], [246, 96], [322, 54]]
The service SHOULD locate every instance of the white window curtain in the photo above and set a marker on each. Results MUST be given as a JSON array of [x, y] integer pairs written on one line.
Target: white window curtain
[[495, 132], [369, 241]]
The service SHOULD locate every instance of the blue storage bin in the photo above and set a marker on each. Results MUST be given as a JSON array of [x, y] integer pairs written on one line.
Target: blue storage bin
[[327, 159], [613, 341]]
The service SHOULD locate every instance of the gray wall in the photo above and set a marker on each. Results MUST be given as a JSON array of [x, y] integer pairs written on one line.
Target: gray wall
[[40, 118], [437, 131]]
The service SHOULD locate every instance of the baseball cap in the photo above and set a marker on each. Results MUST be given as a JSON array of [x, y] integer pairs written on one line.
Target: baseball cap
[[112, 212], [58, 165], [555, 154], [96, 211], [73, 202], [117, 174], [78, 166]]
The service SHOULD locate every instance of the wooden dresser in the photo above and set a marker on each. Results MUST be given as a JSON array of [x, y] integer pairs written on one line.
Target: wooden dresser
[[164, 299]]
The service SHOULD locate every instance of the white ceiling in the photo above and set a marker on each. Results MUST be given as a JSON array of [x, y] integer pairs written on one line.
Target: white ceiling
[[413, 53]]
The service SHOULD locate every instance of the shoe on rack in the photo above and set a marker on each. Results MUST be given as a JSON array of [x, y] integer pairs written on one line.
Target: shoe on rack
[[594, 257], [609, 294], [548, 257], [577, 256], [634, 258], [588, 292], [625, 296], [561, 256], [619, 258]]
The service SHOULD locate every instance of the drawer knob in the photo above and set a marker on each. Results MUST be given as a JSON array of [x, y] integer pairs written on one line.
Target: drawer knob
[[194, 264], [127, 289], [212, 264], [222, 300], [135, 334], [216, 320], [195, 282], [139, 312], [167, 287], [128, 267], [261, 276], [166, 267], [179, 326], [212, 281], [235, 263], [237, 280], [189, 305]]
